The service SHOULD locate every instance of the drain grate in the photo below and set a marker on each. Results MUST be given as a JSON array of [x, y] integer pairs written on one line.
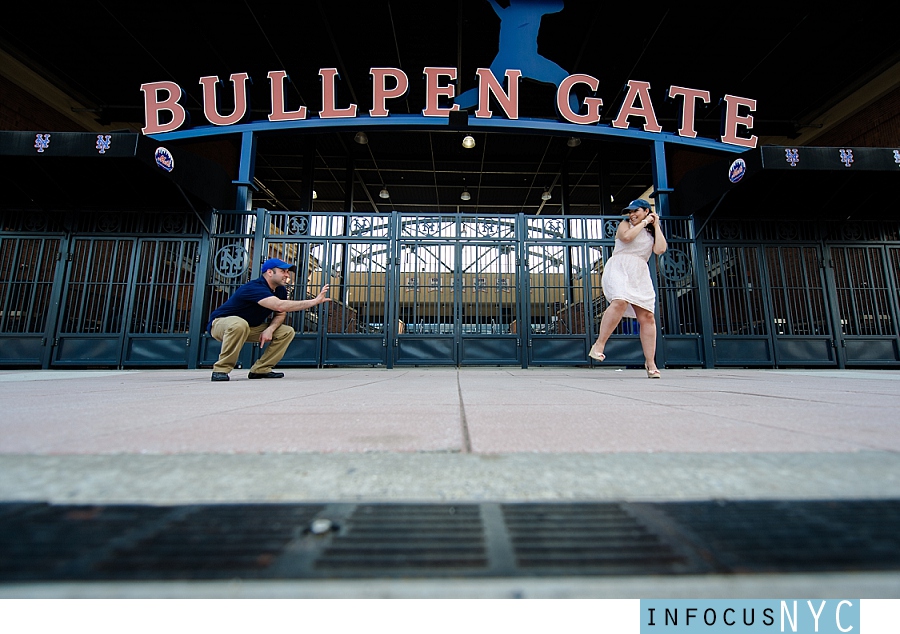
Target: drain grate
[[407, 537], [586, 539], [41, 542], [785, 536], [211, 542]]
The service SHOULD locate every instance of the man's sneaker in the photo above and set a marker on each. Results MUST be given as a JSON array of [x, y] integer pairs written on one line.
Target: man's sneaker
[[270, 375], [219, 376]]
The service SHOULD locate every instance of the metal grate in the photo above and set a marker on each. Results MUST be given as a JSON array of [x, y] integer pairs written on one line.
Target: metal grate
[[40, 542], [586, 539], [396, 538], [211, 542], [796, 536]]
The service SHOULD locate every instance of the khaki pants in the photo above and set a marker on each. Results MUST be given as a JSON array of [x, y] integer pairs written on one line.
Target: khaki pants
[[234, 332]]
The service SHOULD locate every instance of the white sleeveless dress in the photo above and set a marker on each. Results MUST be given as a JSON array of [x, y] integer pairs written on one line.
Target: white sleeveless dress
[[627, 276]]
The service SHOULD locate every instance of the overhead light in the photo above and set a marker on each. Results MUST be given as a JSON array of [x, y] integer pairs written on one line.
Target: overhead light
[[384, 193], [545, 195], [315, 195], [465, 195], [361, 138], [573, 141], [468, 142]]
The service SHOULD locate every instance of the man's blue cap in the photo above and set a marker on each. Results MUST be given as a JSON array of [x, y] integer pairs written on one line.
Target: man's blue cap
[[640, 203], [275, 263]]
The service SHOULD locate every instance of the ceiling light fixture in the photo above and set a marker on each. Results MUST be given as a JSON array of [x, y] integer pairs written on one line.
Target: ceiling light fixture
[[465, 195], [361, 138], [384, 192], [573, 141], [315, 195], [468, 142], [545, 195]]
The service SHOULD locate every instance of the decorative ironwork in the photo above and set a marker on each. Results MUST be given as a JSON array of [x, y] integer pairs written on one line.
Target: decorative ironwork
[[231, 261], [298, 225], [172, 223], [34, 222], [107, 223], [788, 230], [610, 227], [729, 230], [675, 265], [852, 231]]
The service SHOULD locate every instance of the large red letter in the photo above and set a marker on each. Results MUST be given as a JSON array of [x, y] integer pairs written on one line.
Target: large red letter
[[153, 106], [731, 120], [210, 107], [433, 90], [381, 93], [488, 84], [638, 90], [276, 87], [686, 123], [329, 111], [593, 103]]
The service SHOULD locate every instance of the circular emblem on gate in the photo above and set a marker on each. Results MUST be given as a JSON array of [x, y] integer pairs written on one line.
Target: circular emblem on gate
[[298, 225], [852, 231], [107, 223], [34, 223], [610, 227], [165, 159], [675, 265], [172, 223], [737, 170], [231, 261]]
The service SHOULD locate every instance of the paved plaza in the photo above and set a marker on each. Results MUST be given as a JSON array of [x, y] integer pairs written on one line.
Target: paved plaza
[[490, 437]]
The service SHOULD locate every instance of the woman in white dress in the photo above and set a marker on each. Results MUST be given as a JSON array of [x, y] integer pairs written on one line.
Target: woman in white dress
[[626, 281]]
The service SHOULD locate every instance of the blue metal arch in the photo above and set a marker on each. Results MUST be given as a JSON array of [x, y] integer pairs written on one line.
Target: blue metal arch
[[421, 122]]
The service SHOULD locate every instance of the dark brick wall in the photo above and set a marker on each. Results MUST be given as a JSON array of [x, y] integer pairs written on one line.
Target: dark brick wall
[[876, 126], [19, 110]]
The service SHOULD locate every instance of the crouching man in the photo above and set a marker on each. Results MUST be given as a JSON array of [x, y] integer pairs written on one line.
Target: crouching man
[[243, 318]]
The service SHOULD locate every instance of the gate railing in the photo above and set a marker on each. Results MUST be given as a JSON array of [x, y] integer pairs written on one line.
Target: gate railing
[[136, 290]]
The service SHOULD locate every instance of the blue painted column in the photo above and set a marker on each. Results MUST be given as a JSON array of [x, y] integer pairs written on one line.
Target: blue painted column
[[246, 171], [661, 188]]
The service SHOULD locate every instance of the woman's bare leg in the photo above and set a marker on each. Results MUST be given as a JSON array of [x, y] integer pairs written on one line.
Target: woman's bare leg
[[647, 321], [611, 318]]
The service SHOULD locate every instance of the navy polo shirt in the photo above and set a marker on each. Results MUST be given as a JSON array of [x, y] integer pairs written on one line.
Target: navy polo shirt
[[245, 302]]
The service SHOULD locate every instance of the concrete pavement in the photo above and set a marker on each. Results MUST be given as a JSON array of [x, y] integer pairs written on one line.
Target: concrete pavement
[[448, 434]]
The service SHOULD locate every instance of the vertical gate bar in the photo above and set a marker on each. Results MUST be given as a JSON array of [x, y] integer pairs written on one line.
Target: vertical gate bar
[[701, 283], [768, 314], [832, 295], [392, 288], [523, 289], [201, 293], [661, 189], [52, 325], [14, 258], [892, 258]]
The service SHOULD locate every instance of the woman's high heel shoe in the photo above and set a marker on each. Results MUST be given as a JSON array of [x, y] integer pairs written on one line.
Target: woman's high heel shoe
[[596, 356], [651, 374]]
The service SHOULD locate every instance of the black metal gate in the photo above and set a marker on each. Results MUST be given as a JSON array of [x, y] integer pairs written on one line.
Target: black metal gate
[[800, 298], [28, 266], [455, 291], [104, 290], [135, 290]]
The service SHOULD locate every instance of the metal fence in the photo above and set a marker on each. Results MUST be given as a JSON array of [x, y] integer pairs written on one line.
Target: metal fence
[[133, 290]]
